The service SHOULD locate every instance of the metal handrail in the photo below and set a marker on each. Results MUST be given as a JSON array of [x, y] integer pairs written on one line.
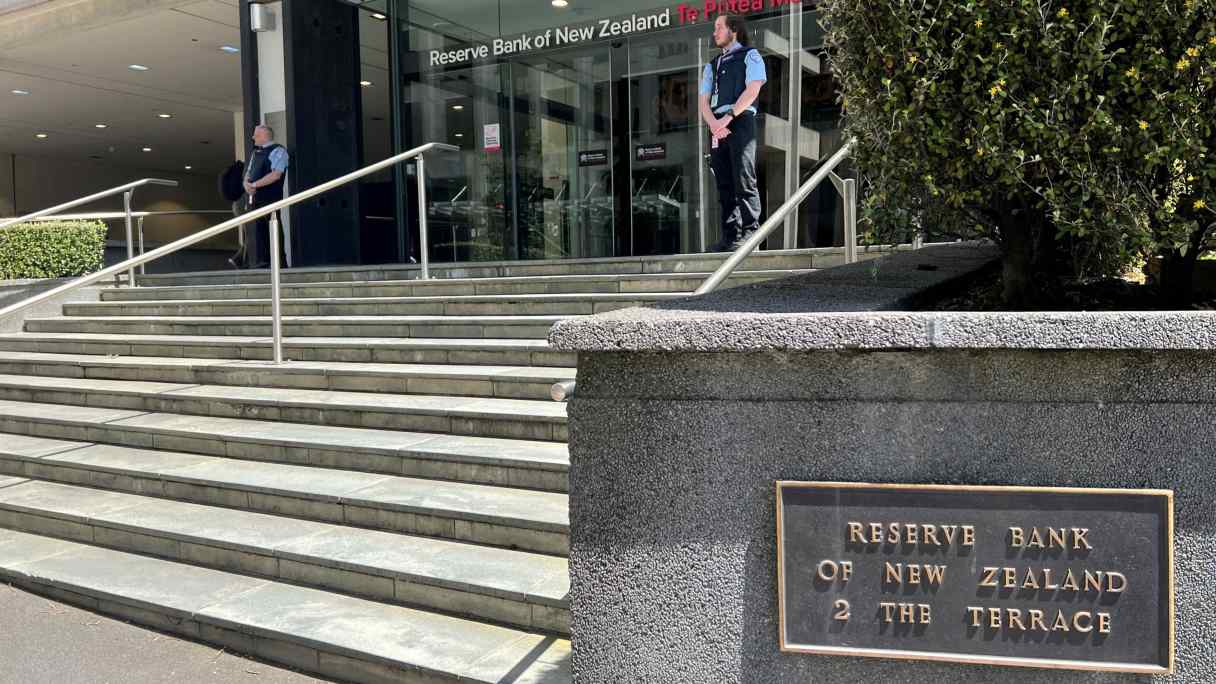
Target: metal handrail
[[563, 391], [268, 210], [101, 215], [139, 217], [847, 187], [85, 200], [127, 190]]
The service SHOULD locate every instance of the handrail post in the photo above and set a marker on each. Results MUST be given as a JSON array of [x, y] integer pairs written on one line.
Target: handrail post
[[850, 220], [276, 317], [422, 241], [140, 229], [126, 206]]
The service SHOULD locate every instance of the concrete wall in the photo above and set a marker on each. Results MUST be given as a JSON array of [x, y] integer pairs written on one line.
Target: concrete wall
[[686, 414]]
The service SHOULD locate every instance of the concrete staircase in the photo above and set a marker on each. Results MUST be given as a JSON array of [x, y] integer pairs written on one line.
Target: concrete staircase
[[390, 505]]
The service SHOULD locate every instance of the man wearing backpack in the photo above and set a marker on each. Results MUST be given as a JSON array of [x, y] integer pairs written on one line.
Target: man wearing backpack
[[232, 189], [730, 85], [264, 179]]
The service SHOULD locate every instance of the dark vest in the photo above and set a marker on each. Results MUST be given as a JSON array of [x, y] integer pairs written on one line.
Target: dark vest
[[730, 76], [259, 166]]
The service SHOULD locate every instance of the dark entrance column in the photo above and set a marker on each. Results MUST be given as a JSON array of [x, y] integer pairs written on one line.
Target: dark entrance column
[[321, 55]]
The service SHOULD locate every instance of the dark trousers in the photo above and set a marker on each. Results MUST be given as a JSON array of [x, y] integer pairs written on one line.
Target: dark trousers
[[734, 166], [261, 240]]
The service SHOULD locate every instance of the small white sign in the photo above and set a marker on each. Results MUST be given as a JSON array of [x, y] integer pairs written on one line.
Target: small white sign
[[492, 137]]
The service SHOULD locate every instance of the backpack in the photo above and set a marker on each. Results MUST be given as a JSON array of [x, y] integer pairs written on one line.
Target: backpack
[[232, 181]]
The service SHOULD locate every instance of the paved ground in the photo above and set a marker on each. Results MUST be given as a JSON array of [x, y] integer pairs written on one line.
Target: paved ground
[[46, 641]]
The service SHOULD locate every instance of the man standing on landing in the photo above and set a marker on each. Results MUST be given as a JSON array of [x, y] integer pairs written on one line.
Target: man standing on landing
[[264, 183], [729, 88]]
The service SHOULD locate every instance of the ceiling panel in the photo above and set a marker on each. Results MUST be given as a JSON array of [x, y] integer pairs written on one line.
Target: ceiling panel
[[83, 79]]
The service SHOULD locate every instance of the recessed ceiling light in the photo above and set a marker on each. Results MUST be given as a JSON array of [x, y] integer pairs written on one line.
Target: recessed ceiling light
[[229, 49], [18, 91], [164, 115], [137, 67], [147, 149], [377, 15], [101, 126], [560, 3], [365, 84], [460, 135], [188, 167], [40, 136], [457, 107]]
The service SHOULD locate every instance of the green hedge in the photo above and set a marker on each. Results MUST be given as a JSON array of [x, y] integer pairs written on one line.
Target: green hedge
[[54, 249]]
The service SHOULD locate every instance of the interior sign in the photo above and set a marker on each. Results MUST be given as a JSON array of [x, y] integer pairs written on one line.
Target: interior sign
[[492, 137], [593, 158], [1045, 577], [652, 152]]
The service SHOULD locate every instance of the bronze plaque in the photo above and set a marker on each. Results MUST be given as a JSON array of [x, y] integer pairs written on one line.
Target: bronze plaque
[[1030, 576]]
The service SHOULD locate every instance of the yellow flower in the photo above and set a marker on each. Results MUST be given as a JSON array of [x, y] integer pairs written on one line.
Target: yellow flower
[[1190, 179], [1131, 73], [911, 59], [999, 46], [1212, 40], [979, 23], [1183, 64], [1143, 125], [1192, 51], [1200, 204], [979, 152], [1063, 13]]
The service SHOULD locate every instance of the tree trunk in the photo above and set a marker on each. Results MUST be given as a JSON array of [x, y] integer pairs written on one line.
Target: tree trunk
[[1176, 283], [1028, 265]]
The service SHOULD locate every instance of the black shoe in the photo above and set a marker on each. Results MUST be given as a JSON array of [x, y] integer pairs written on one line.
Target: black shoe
[[726, 244], [743, 237]]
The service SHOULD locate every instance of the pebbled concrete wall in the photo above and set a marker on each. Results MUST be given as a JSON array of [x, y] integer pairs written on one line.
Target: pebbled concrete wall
[[674, 455]]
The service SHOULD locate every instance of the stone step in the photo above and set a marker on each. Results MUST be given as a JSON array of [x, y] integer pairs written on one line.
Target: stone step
[[325, 633], [485, 460], [764, 260], [458, 327], [496, 516], [508, 518], [454, 415], [498, 352], [562, 284], [516, 588], [482, 305], [509, 382]]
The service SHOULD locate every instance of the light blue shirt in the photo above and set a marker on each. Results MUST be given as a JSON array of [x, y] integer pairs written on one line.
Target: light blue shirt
[[755, 72], [279, 159]]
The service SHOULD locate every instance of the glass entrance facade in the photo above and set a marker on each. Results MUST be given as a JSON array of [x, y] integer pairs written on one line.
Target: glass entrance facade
[[579, 129]]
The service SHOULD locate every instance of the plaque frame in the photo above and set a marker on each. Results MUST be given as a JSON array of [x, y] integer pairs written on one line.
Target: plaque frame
[[978, 659]]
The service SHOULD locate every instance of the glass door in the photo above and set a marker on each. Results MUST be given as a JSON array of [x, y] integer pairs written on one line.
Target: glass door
[[468, 193], [564, 155], [666, 146]]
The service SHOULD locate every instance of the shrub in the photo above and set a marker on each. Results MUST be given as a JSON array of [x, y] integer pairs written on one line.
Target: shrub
[[1164, 94], [53, 249], [1021, 121]]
